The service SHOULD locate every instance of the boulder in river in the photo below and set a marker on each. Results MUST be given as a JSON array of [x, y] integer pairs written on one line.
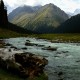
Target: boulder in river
[[33, 44], [24, 48], [14, 47], [23, 64], [50, 48], [30, 44], [8, 44], [28, 40]]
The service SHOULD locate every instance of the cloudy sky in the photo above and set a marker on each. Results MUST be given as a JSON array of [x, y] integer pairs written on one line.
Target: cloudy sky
[[66, 5]]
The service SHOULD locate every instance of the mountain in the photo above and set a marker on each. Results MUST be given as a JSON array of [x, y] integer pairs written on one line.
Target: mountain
[[21, 11], [43, 20], [72, 25], [4, 24]]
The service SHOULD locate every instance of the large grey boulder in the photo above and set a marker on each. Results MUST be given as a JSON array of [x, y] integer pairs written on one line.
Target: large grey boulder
[[23, 64]]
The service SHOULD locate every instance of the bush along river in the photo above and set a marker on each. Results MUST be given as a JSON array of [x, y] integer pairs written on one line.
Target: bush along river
[[60, 61]]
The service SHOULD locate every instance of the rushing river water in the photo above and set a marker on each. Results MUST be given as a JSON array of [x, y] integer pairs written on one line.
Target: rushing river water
[[63, 64]]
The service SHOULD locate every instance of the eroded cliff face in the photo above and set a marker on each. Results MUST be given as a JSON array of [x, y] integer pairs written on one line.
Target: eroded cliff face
[[3, 14]]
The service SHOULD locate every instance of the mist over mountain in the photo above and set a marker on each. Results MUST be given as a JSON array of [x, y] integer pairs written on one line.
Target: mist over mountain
[[42, 19], [9, 9], [77, 11], [70, 14]]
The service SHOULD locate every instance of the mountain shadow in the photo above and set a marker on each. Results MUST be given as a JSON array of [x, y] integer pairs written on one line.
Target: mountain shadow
[[72, 25]]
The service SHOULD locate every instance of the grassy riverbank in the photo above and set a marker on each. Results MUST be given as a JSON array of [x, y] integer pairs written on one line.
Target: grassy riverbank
[[4, 33], [74, 37]]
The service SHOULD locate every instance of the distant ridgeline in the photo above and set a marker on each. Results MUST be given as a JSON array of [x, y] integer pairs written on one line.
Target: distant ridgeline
[[3, 14]]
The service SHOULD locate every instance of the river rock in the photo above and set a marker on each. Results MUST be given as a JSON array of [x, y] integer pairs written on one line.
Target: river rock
[[28, 40], [65, 51], [14, 47], [24, 48], [30, 44], [50, 48], [8, 44], [33, 44], [23, 64]]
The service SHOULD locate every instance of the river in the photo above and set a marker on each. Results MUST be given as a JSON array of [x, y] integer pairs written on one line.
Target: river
[[63, 64]]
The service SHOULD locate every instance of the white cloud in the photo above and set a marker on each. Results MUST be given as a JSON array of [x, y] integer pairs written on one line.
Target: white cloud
[[66, 5]]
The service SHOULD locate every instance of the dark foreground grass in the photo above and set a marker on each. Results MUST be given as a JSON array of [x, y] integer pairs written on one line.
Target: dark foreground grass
[[5, 75]]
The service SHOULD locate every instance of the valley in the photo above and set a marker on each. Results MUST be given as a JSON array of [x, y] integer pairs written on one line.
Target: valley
[[39, 42]]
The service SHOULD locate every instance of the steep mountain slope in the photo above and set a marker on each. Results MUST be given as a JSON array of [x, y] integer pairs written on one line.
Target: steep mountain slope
[[43, 20], [18, 29], [14, 28], [46, 19], [72, 25]]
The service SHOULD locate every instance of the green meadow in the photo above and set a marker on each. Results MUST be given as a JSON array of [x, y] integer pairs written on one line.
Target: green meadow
[[75, 37]]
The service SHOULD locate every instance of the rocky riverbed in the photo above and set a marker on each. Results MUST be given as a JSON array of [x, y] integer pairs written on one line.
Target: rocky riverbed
[[63, 58], [24, 64]]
